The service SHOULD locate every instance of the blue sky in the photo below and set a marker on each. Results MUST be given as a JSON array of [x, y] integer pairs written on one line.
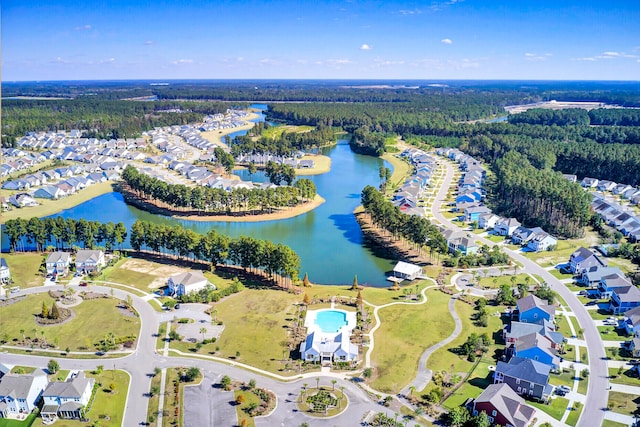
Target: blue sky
[[450, 39]]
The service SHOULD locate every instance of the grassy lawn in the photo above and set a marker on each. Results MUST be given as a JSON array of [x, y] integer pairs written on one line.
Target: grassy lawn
[[562, 252], [477, 382], [15, 423], [403, 337], [172, 400], [79, 333], [576, 326], [628, 377], [623, 403], [152, 407], [25, 268], [565, 378], [488, 282], [401, 169], [555, 408], [574, 415], [274, 132], [609, 333], [50, 207], [609, 423], [241, 410], [495, 238], [558, 274], [583, 385], [136, 279], [563, 324]]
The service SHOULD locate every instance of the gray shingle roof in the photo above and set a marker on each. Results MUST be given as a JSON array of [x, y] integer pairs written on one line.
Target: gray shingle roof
[[525, 369]]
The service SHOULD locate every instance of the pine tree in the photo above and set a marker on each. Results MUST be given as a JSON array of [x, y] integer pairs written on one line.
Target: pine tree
[[355, 283], [306, 299], [55, 313], [305, 281], [359, 299], [45, 311]]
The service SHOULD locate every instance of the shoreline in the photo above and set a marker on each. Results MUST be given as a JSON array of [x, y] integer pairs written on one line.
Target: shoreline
[[216, 136]]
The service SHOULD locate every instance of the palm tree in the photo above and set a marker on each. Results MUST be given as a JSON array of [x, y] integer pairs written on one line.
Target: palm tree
[[317, 383], [214, 313], [334, 384], [203, 331], [43, 338], [22, 332]]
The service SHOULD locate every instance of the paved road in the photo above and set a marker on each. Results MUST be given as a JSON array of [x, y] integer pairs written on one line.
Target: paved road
[[597, 393]]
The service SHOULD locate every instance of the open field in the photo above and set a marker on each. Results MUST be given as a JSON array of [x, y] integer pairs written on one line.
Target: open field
[[576, 410], [50, 207], [79, 333], [556, 407], [627, 377], [623, 403], [401, 170], [479, 379], [403, 337], [509, 279], [25, 268]]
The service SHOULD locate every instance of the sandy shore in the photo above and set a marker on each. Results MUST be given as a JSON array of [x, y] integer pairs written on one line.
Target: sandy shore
[[280, 214], [323, 165], [216, 136]]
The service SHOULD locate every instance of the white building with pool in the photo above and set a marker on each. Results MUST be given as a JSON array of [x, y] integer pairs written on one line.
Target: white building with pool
[[328, 339]]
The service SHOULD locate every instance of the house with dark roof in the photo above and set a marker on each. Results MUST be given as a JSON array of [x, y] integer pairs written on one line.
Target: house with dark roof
[[458, 241], [506, 226], [67, 399], [535, 347], [583, 260], [592, 278], [20, 392], [632, 321], [514, 330], [503, 406], [526, 377], [541, 241], [532, 309]]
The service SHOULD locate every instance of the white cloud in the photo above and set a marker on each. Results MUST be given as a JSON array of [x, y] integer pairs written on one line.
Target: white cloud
[[446, 41], [379, 62], [83, 28], [59, 60], [409, 11], [107, 61], [607, 55], [182, 62], [148, 42], [365, 47], [534, 57]]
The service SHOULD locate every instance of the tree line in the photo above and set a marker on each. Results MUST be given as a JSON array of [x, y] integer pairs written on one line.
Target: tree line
[[542, 197], [416, 229], [63, 233], [276, 260], [579, 117], [216, 200], [284, 144]]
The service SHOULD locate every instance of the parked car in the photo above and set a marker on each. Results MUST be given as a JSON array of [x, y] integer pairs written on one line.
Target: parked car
[[84, 284], [177, 306]]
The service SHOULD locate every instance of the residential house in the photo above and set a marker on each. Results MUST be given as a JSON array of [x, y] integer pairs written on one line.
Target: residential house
[[570, 177], [632, 321], [541, 241], [522, 235], [333, 347], [526, 377], [532, 309], [624, 295], [458, 241], [58, 263], [506, 226], [589, 182], [606, 185], [582, 259], [515, 330], [22, 200], [185, 283], [592, 277], [49, 192], [20, 392], [88, 260], [5, 271], [68, 399], [488, 220], [503, 406], [473, 213], [634, 347], [535, 347]]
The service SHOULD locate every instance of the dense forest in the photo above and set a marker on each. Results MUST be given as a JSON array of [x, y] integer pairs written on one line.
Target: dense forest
[[539, 197], [101, 118], [578, 116], [282, 144], [216, 200]]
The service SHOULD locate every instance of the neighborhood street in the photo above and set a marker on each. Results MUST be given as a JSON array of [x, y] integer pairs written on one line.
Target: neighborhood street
[[597, 394]]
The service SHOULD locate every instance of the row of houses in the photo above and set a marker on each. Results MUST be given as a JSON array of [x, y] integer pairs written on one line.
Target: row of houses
[[617, 216], [532, 348], [407, 196], [591, 270], [86, 261], [22, 393], [625, 191]]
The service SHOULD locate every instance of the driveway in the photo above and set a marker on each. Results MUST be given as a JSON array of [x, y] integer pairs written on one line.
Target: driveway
[[214, 406]]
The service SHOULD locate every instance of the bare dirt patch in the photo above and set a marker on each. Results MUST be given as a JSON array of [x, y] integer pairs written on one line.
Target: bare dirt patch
[[160, 272]]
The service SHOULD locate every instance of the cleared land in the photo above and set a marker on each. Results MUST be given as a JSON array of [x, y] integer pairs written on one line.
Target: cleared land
[[25, 268], [79, 333]]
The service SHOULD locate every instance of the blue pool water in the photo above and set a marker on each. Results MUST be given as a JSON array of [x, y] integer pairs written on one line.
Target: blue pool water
[[331, 320]]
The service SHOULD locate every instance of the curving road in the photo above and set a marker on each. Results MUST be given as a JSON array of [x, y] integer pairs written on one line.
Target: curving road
[[597, 393], [140, 364]]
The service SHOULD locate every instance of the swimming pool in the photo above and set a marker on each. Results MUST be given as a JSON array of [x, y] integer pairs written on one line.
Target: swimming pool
[[331, 320]]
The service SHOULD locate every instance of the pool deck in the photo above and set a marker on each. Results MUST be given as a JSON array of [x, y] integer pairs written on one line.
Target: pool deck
[[311, 325]]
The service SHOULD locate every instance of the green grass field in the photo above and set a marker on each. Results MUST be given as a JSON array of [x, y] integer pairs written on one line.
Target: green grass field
[[623, 403], [609, 333], [555, 408], [488, 282], [401, 170], [25, 268], [628, 377], [403, 336], [79, 333], [565, 378], [477, 382], [30, 421], [609, 423], [574, 415]]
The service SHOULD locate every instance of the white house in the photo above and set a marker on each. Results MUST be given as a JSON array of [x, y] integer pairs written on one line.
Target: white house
[[506, 226], [89, 260], [58, 263], [67, 399], [5, 272], [20, 392], [541, 241], [329, 345], [407, 271], [185, 283]]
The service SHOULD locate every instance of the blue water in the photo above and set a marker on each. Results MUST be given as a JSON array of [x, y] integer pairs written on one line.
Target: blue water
[[331, 320]]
